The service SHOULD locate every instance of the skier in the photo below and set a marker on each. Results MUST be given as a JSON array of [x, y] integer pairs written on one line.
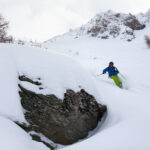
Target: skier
[[113, 74]]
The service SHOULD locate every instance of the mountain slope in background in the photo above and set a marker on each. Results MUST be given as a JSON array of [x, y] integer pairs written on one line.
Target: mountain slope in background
[[108, 25], [73, 60]]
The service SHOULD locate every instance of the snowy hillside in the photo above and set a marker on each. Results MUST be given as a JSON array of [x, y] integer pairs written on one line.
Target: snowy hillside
[[108, 25], [128, 119], [74, 60]]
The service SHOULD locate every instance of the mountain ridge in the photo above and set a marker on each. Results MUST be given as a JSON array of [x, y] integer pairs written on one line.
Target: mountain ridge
[[109, 25]]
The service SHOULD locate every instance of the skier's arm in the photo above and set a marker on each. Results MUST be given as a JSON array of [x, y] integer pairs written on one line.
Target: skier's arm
[[116, 70], [105, 70]]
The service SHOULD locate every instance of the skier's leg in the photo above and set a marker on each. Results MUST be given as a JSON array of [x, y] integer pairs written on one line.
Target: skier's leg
[[117, 81]]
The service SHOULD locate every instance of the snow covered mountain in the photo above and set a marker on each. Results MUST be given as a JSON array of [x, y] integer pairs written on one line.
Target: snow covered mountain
[[74, 60], [110, 24]]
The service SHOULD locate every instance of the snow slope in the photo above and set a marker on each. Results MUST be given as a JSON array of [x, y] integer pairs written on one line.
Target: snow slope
[[68, 62], [127, 125]]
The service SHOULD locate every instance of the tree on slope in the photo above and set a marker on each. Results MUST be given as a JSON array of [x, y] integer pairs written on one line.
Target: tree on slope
[[3, 31]]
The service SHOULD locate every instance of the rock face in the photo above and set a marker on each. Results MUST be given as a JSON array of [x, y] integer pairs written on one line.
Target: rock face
[[63, 121], [113, 25], [132, 22]]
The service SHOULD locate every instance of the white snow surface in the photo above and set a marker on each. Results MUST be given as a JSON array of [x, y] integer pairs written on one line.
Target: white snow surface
[[127, 125], [68, 63]]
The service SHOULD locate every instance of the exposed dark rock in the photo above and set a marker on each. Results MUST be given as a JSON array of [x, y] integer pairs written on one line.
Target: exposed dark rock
[[117, 15], [62, 121], [94, 31], [133, 23], [38, 139], [24, 78], [114, 31], [35, 137], [105, 37]]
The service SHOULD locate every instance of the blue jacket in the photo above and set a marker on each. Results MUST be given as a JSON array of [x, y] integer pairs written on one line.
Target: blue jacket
[[112, 71]]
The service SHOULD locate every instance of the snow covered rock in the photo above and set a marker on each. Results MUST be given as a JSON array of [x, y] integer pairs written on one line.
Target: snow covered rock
[[57, 73], [112, 25], [63, 122], [107, 25]]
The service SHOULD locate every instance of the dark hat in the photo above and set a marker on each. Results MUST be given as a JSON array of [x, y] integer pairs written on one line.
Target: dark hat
[[111, 63]]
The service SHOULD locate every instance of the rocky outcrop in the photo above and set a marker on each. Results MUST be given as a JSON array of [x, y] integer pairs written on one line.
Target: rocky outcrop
[[110, 24], [24, 78], [133, 23], [62, 121]]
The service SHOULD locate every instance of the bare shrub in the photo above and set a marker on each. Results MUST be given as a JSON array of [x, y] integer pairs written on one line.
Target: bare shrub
[[4, 38], [147, 40], [20, 42]]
